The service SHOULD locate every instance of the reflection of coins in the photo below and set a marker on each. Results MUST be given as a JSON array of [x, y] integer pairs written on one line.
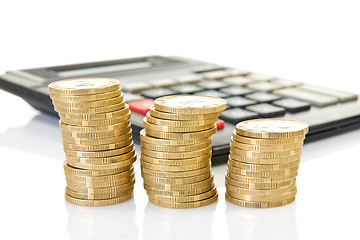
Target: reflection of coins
[[263, 162], [176, 150], [97, 140]]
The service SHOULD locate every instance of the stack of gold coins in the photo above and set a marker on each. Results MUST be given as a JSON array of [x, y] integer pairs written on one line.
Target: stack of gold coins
[[97, 140], [176, 150], [263, 162]]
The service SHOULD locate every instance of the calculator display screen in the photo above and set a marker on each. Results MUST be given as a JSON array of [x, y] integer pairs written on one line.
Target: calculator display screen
[[103, 69]]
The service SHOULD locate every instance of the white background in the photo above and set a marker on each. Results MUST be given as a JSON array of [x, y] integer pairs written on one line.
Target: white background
[[310, 41]]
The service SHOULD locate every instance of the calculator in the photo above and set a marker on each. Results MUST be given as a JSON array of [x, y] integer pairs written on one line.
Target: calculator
[[249, 95]]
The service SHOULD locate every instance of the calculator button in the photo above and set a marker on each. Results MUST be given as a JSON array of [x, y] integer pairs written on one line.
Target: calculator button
[[212, 84], [236, 115], [157, 92], [236, 90], [213, 93], [341, 95], [135, 86], [264, 86], [267, 110], [234, 102], [316, 99], [190, 78], [292, 105], [130, 97], [142, 106], [220, 74], [220, 124], [282, 82], [187, 88], [237, 72], [166, 82], [260, 77], [238, 81], [263, 97]]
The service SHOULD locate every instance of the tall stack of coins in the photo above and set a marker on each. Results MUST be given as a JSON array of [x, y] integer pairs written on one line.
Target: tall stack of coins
[[97, 140], [176, 150], [263, 162]]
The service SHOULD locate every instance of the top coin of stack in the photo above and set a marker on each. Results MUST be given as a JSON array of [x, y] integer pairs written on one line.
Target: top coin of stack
[[176, 150], [263, 162], [97, 140]]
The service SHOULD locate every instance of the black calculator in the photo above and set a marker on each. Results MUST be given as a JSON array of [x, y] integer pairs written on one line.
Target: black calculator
[[249, 95]]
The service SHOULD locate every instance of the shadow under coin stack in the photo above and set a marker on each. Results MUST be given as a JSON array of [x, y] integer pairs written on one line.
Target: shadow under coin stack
[[263, 162], [97, 140], [176, 150]]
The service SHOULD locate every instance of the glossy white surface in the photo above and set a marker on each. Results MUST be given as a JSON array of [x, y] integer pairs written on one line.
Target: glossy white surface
[[312, 41]]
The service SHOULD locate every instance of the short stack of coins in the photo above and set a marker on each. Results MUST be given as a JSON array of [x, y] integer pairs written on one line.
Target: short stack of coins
[[97, 140], [263, 162], [176, 150]]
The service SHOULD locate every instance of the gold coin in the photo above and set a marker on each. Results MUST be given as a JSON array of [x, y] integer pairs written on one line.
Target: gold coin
[[175, 155], [190, 135], [170, 142], [84, 86], [97, 196], [96, 135], [94, 148], [266, 142], [183, 199], [262, 167], [86, 98], [182, 117], [94, 110], [123, 158], [95, 123], [243, 178], [258, 204], [70, 170], [82, 129], [177, 162], [271, 173], [262, 192], [89, 104], [98, 203], [124, 182], [96, 117], [251, 198], [180, 187], [262, 154], [160, 128], [100, 141], [108, 153], [272, 128], [180, 148], [126, 176], [120, 166], [258, 185], [265, 148], [189, 173], [185, 204], [150, 178], [255, 160], [171, 123], [173, 168], [190, 104], [103, 190], [153, 191]]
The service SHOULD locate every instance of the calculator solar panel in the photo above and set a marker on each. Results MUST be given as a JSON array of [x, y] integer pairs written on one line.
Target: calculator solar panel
[[249, 95]]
